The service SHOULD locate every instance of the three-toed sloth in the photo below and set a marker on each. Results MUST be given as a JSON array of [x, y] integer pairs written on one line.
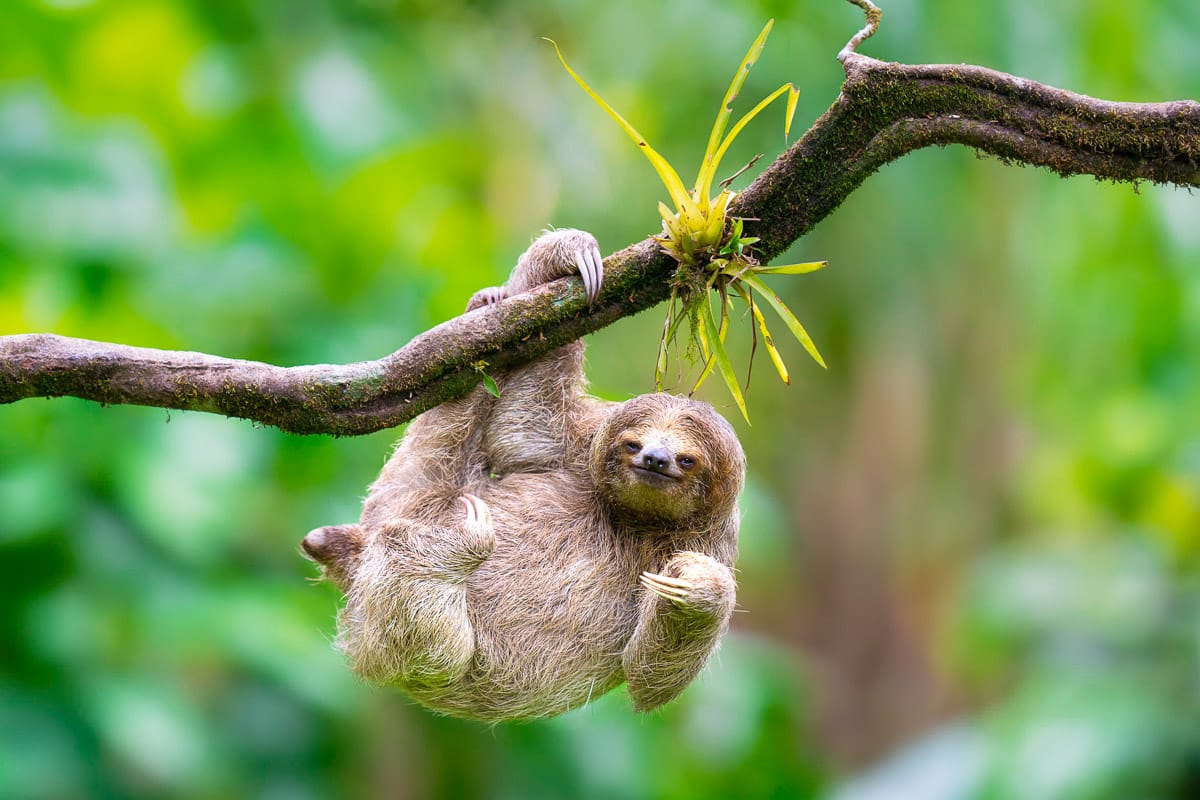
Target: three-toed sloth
[[521, 555]]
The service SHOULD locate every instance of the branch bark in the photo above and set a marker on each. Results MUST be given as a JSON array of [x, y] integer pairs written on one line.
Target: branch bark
[[884, 111]]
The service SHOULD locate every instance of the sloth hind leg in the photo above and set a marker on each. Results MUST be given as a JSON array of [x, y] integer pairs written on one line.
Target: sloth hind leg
[[405, 619]]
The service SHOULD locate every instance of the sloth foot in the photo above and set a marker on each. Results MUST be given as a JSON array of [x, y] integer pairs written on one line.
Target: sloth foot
[[487, 297], [477, 527], [332, 544], [336, 548]]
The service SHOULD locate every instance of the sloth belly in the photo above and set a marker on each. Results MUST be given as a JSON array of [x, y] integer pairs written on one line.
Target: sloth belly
[[538, 655], [551, 609]]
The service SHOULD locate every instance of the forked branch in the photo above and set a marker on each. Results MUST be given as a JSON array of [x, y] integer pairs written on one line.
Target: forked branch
[[874, 15]]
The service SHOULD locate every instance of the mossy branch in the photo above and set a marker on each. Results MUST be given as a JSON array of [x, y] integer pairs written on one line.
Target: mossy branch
[[887, 110], [350, 399], [884, 111]]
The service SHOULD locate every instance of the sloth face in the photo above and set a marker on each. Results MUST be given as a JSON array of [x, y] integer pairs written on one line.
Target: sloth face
[[656, 470], [665, 457], [657, 457]]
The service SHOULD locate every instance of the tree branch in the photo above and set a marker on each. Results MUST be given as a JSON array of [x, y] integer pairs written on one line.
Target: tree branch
[[884, 111], [887, 110]]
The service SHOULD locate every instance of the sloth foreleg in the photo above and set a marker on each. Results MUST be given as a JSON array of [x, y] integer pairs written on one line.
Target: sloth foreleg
[[684, 612]]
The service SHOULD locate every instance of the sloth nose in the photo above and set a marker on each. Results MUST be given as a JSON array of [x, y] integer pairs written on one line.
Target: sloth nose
[[656, 458]]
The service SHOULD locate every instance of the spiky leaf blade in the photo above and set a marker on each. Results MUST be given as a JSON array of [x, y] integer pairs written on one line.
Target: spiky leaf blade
[[722, 359], [791, 269], [793, 96], [666, 172], [786, 314], [708, 167], [768, 340], [744, 121]]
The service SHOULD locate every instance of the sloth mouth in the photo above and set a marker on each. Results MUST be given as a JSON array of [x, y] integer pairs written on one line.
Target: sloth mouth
[[653, 475]]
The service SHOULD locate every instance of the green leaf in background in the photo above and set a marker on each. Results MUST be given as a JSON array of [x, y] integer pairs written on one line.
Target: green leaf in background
[[970, 546]]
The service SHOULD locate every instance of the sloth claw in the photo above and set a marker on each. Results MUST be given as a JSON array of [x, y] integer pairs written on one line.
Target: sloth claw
[[676, 590], [478, 512], [591, 269], [487, 297], [478, 536]]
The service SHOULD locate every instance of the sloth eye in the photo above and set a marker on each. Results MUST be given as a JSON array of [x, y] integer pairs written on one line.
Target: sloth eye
[[632, 447], [687, 462]]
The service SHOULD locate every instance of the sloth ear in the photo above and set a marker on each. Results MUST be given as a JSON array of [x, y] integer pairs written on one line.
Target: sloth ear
[[336, 549]]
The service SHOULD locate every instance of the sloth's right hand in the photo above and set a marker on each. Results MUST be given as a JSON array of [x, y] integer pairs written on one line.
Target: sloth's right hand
[[554, 255], [591, 268], [694, 583], [557, 254]]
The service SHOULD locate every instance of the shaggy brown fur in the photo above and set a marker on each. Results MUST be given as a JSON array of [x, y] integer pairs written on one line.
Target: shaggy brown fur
[[522, 555]]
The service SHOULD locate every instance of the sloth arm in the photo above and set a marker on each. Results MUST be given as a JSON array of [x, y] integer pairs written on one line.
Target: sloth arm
[[682, 615], [532, 422], [542, 417], [539, 421], [440, 454]]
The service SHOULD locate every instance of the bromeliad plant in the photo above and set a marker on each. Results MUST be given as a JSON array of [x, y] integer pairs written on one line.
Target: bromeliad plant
[[712, 253]]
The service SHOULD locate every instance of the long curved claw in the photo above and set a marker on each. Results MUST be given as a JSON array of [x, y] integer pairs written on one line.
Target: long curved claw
[[478, 512], [487, 297], [674, 589], [591, 269]]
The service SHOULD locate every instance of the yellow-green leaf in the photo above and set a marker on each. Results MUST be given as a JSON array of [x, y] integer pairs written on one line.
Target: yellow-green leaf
[[791, 269], [722, 359], [708, 167], [783, 311], [744, 121], [666, 172], [672, 227], [793, 96], [722, 331], [715, 229], [768, 340], [702, 337], [708, 359]]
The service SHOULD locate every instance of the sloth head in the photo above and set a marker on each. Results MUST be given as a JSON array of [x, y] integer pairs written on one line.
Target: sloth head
[[661, 457]]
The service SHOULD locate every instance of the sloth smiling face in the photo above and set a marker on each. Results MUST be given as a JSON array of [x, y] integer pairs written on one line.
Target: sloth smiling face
[[660, 457]]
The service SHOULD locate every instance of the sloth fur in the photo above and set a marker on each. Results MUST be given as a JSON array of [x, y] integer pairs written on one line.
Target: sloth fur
[[521, 555]]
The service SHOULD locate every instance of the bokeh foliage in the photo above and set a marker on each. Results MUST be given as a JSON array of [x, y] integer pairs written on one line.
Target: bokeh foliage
[[970, 548]]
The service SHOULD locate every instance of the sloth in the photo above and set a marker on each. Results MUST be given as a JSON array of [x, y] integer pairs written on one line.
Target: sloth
[[521, 555]]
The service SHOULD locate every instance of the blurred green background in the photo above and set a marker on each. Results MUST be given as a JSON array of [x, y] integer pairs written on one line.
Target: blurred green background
[[970, 548]]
